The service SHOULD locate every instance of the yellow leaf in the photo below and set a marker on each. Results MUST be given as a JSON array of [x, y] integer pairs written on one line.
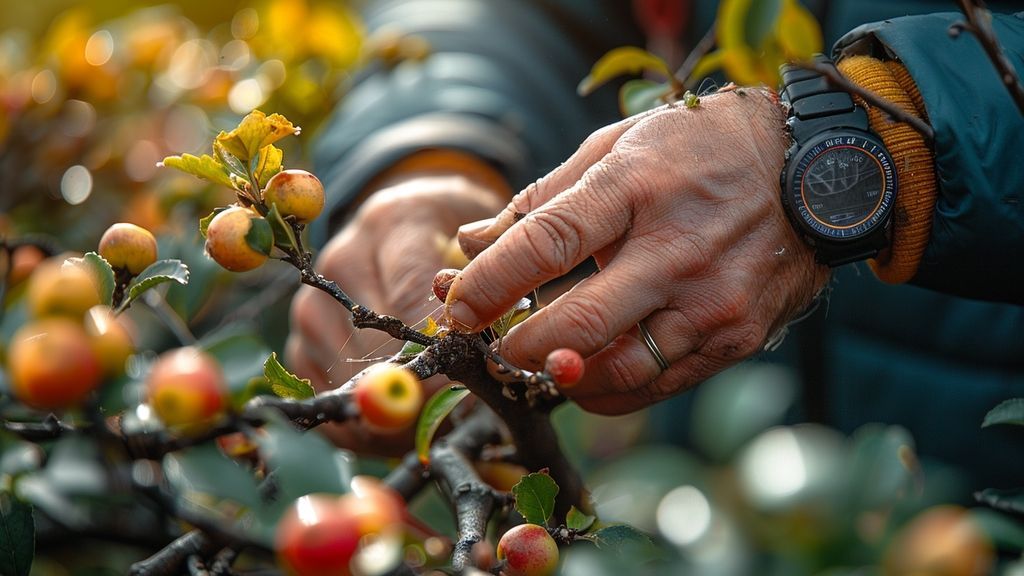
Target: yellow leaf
[[254, 132], [431, 328], [731, 23], [269, 164], [624, 60], [797, 32], [206, 167]]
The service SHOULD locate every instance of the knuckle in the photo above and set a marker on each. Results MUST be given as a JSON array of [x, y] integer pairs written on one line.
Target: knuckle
[[553, 239], [587, 320], [690, 254], [742, 341], [622, 376]]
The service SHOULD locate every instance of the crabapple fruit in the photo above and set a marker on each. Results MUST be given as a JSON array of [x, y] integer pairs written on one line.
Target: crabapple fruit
[[128, 246], [228, 240], [443, 282], [389, 397], [110, 337], [58, 290], [317, 537], [500, 475], [186, 390], [52, 364], [565, 366], [528, 550], [296, 193]]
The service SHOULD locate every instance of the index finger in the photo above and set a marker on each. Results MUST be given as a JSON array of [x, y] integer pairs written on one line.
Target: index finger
[[544, 245]]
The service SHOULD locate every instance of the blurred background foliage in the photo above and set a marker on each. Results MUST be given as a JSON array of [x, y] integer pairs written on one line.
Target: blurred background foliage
[[93, 95]]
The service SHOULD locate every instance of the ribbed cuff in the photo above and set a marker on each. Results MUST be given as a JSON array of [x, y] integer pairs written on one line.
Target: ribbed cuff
[[915, 164]]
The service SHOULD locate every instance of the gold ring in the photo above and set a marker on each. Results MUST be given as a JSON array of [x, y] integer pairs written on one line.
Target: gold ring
[[655, 351]]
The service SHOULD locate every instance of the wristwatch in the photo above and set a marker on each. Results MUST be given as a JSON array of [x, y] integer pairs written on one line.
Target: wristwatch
[[839, 183]]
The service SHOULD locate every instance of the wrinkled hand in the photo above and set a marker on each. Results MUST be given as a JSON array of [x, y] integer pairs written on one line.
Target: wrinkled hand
[[385, 259], [681, 209]]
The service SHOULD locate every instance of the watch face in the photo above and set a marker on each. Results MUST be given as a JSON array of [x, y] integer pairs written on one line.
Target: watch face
[[843, 185]]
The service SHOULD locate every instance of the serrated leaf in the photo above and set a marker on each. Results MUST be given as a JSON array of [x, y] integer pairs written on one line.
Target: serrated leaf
[[578, 521], [283, 233], [521, 311], [269, 164], [204, 223], [1005, 500], [623, 60], [284, 383], [624, 540], [639, 95], [535, 497], [254, 132], [1008, 412], [437, 408], [260, 236], [154, 275], [101, 272], [206, 167], [17, 536]]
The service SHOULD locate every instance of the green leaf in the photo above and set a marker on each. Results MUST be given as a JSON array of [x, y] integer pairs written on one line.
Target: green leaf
[[1005, 532], [204, 223], [1005, 500], [625, 540], [639, 95], [155, 274], [235, 167], [303, 463], [578, 521], [411, 349], [101, 272], [760, 21], [434, 412], [284, 383], [204, 470], [260, 236], [877, 476], [206, 167], [240, 355], [1008, 412], [17, 536], [535, 497], [284, 236], [269, 163], [623, 60], [521, 311]]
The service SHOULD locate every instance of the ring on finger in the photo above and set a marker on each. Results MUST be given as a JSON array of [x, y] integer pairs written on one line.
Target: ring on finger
[[652, 346]]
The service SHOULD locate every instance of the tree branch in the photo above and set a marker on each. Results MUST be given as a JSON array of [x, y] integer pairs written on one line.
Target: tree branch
[[892, 110], [979, 23]]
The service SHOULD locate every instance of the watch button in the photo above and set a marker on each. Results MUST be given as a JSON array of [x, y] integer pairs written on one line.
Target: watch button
[[823, 105]]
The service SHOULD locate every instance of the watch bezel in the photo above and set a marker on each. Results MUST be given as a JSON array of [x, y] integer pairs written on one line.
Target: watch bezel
[[792, 193]]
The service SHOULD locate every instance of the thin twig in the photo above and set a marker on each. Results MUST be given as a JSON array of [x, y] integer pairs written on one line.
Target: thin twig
[[50, 428], [169, 318], [979, 23], [700, 50], [895, 112]]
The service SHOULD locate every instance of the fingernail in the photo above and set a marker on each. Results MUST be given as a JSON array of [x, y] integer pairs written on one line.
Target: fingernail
[[461, 316], [475, 237]]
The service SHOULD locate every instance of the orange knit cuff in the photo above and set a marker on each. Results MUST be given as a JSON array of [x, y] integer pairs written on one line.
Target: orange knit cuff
[[432, 161], [915, 164]]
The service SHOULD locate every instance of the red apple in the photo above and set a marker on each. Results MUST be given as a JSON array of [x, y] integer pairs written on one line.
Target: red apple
[[528, 550]]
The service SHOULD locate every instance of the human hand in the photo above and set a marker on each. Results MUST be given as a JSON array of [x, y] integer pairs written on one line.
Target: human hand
[[681, 210], [385, 259]]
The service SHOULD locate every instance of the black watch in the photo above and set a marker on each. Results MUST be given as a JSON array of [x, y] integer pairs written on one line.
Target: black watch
[[839, 182]]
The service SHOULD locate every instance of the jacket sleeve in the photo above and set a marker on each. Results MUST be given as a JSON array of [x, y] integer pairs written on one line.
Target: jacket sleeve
[[976, 245], [499, 83]]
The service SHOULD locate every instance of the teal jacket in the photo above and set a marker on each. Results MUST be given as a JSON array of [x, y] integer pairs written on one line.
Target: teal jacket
[[501, 84]]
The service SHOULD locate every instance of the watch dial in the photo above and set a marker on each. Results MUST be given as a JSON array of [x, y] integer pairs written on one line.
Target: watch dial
[[843, 186]]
